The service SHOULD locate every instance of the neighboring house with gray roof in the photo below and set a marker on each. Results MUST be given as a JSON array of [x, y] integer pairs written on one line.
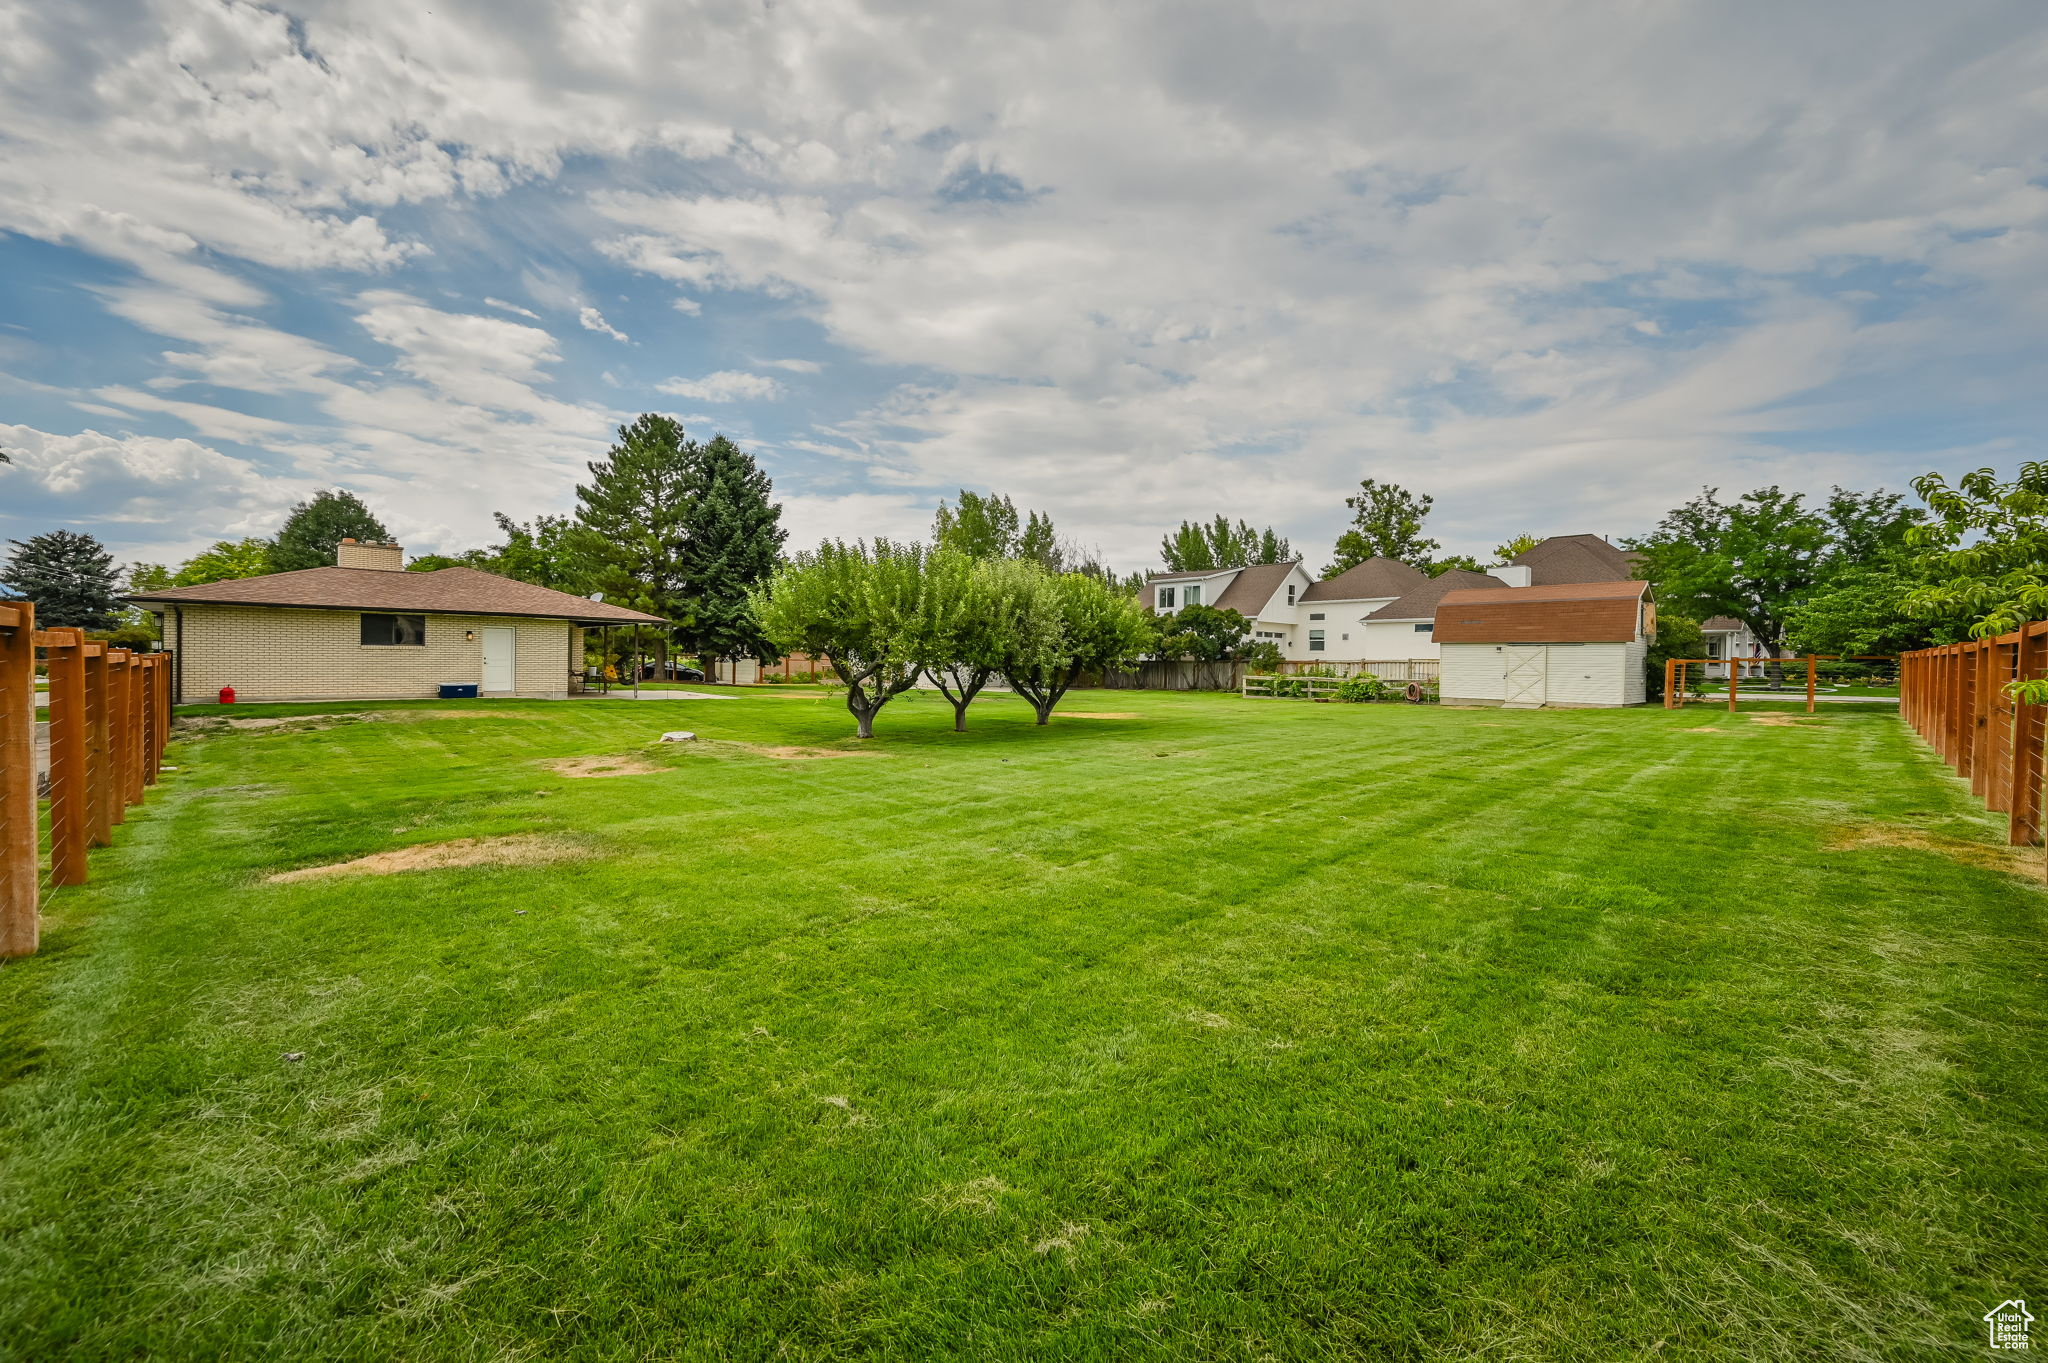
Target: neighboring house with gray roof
[[1381, 610], [367, 629]]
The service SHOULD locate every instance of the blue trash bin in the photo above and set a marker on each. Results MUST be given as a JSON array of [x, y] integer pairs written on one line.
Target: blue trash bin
[[454, 691]]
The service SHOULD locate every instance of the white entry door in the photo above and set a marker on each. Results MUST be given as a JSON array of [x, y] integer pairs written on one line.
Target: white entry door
[[1526, 678], [498, 648]]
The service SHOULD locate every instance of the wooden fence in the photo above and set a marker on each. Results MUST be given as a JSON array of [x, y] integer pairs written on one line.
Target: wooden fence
[[110, 716], [1955, 697], [1398, 670]]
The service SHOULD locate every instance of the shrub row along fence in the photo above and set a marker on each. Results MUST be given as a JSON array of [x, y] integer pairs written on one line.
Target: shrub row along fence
[[110, 715], [1956, 697]]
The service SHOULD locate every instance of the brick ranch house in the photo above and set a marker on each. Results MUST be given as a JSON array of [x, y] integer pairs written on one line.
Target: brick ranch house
[[366, 629]]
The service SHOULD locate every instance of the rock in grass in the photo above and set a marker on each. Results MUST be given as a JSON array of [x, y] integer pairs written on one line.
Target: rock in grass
[[294, 1057], [679, 736]]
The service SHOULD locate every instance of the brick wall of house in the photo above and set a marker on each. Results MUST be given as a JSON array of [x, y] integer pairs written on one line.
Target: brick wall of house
[[279, 653]]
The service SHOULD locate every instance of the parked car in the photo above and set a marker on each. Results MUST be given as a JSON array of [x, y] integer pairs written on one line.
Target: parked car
[[670, 672]]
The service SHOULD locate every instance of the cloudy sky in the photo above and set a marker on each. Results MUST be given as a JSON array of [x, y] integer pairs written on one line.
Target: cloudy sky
[[1556, 264]]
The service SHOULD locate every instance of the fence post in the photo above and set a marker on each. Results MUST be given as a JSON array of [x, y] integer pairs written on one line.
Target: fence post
[[99, 740], [118, 754], [2023, 802], [70, 726], [18, 859]]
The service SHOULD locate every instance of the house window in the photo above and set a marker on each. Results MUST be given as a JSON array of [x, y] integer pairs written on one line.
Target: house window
[[409, 631], [1424, 629], [1166, 598], [1315, 641], [1315, 617], [1194, 594], [1290, 593]]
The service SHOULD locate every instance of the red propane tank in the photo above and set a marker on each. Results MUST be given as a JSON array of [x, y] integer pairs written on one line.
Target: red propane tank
[[227, 695]]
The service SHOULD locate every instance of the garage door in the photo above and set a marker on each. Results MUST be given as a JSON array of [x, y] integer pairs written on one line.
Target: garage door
[[1526, 679]]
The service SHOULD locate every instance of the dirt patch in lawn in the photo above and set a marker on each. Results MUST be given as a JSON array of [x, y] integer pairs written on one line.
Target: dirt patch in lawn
[[2019, 861], [795, 754], [1708, 729], [518, 850], [1098, 714], [578, 767], [1781, 721]]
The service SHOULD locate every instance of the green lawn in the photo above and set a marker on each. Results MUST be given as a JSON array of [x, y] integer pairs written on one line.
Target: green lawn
[[1238, 1029]]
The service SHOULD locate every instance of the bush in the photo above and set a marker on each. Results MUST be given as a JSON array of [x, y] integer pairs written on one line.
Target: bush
[[1362, 688]]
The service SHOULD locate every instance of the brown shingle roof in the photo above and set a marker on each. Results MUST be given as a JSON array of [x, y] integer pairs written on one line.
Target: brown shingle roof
[[445, 591], [1376, 577], [1252, 588], [1575, 558], [1561, 613], [1421, 603], [1720, 624]]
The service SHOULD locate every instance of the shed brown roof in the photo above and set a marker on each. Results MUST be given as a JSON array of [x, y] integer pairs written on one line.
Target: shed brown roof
[[1576, 558], [445, 591], [1376, 577], [1562, 613], [1421, 603]]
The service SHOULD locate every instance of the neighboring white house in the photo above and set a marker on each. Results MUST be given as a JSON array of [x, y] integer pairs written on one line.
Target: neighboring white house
[[1728, 638], [1570, 645], [1381, 610]]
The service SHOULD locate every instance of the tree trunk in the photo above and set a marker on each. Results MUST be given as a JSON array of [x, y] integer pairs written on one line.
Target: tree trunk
[[1044, 709], [960, 714]]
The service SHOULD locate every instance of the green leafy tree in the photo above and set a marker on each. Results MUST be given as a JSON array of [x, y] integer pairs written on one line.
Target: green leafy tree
[[1437, 567], [1860, 611], [1039, 543], [1386, 520], [314, 528], [225, 561], [480, 559], [1763, 555], [1678, 636], [731, 540], [861, 608], [1221, 544], [1985, 550], [1515, 548], [973, 611], [631, 519], [980, 527], [1087, 628], [543, 552], [1202, 634], [70, 577]]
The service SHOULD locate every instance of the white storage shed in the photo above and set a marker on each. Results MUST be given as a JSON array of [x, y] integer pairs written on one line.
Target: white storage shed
[[1568, 645]]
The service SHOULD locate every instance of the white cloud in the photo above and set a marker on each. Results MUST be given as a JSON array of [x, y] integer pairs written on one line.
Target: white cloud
[[593, 320], [1130, 263], [727, 385]]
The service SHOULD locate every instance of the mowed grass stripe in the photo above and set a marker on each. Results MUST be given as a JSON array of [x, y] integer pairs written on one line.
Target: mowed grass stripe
[[1369, 1032]]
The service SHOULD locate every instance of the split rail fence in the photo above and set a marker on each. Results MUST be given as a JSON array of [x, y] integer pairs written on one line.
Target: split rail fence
[[110, 716], [1955, 697]]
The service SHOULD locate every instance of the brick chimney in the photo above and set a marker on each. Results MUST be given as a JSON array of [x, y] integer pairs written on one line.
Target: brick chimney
[[369, 554]]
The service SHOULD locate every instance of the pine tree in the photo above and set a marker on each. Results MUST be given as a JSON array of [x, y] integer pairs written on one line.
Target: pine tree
[[70, 577], [731, 539], [315, 526], [631, 519]]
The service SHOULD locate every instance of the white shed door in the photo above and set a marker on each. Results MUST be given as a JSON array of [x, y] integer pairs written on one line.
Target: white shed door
[[1526, 679], [498, 648]]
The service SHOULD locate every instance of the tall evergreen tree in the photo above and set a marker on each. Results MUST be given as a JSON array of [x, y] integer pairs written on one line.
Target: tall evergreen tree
[[730, 540], [70, 577], [631, 518], [315, 526]]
